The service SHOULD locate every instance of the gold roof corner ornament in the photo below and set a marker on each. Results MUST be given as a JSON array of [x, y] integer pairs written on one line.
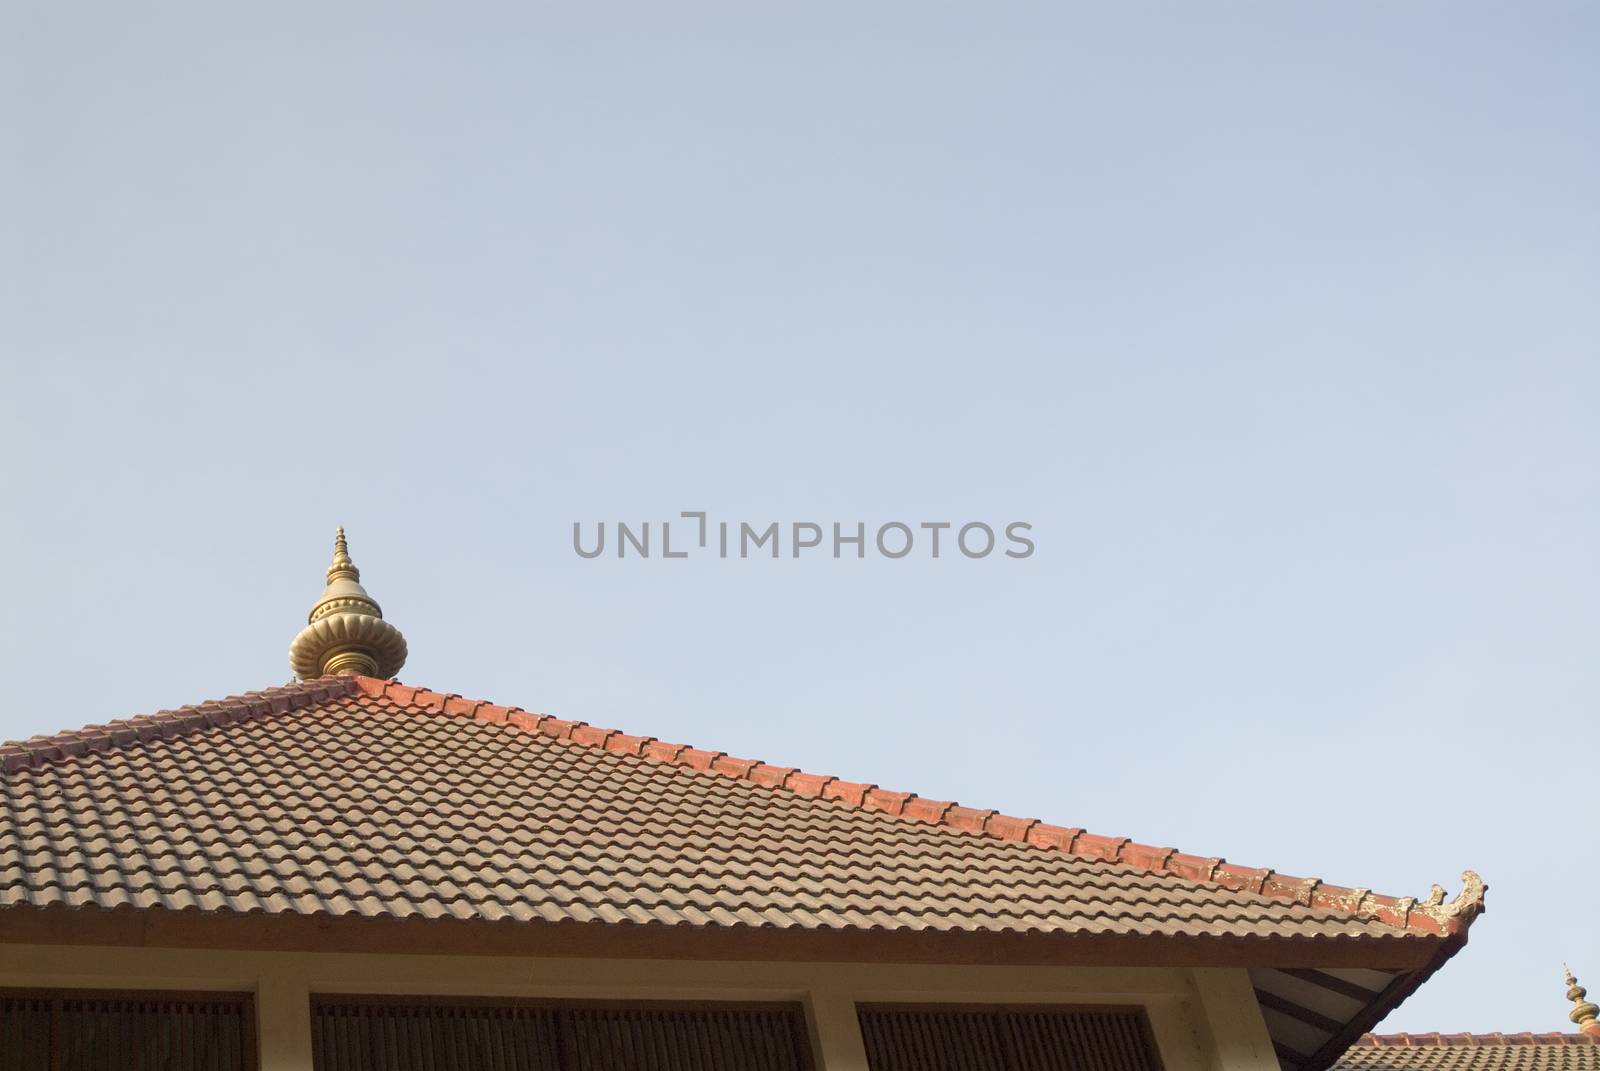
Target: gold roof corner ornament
[[345, 632], [1583, 1012], [1467, 904]]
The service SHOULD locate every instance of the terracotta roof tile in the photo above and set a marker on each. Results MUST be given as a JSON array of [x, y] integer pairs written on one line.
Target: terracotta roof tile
[[1436, 1040], [1472, 1052], [354, 795]]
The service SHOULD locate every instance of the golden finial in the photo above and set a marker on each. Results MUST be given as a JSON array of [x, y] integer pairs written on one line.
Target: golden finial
[[345, 632], [1584, 1012]]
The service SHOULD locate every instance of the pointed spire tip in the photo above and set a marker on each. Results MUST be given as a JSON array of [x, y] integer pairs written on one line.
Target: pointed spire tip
[[341, 558]]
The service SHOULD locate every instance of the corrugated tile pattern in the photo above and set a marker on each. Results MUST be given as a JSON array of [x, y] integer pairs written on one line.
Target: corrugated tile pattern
[[372, 798], [1472, 1052]]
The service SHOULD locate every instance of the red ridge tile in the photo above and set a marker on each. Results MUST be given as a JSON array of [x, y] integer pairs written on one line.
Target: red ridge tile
[[661, 751], [1289, 887], [1145, 856], [592, 735], [770, 776], [1395, 910], [1338, 898], [852, 792], [735, 768], [400, 693], [623, 744], [926, 810], [808, 784], [1194, 867], [698, 758], [1250, 879], [967, 819], [525, 720], [1008, 828], [1096, 846], [1061, 838], [372, 686], [889, 802], [559, 728]]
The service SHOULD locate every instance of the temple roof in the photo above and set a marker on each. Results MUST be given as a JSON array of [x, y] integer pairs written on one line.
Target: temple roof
[[354, 812], [382, 816], [359, 796]]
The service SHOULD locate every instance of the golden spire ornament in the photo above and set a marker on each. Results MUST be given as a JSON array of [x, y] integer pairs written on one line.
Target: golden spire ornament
[[1584, 1012], [345, 632]]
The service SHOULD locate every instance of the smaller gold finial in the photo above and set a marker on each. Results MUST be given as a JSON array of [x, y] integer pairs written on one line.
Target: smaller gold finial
[[1584, 1012]]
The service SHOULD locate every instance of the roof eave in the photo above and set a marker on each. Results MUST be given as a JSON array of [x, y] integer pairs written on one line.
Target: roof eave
[[161, 927], [1392, 997]]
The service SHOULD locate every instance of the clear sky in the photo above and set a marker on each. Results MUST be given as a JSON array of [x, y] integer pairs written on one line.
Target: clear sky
[[1278, 323]]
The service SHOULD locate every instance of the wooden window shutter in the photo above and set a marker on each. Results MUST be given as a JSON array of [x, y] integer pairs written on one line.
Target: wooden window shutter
[[24, 1033], [1009, 1038], [420, 1034], [686, 1039], [400, 1036], [63, 1030]]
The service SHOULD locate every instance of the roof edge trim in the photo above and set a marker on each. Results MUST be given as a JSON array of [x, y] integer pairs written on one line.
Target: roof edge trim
[[193, 927]]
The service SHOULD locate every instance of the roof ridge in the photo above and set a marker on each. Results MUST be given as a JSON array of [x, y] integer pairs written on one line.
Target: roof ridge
[[166, 724], [1430, 916], [1436, 1040]]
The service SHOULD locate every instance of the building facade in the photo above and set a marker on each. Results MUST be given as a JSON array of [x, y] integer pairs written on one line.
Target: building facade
[[349, 873]]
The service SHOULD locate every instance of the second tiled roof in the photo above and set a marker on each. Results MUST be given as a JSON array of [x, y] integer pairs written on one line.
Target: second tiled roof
[[1472, 1052]]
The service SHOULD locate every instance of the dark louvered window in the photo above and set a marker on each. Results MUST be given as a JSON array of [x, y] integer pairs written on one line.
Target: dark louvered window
[[393, 1034], [24, 1033], [1010, 1038], [66, 1031]]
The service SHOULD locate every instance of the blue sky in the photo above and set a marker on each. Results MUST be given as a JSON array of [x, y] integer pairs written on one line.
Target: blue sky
[[1276, 322]]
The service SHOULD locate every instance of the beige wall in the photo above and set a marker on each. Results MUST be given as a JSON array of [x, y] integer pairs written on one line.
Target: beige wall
[[1204, 1020]]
